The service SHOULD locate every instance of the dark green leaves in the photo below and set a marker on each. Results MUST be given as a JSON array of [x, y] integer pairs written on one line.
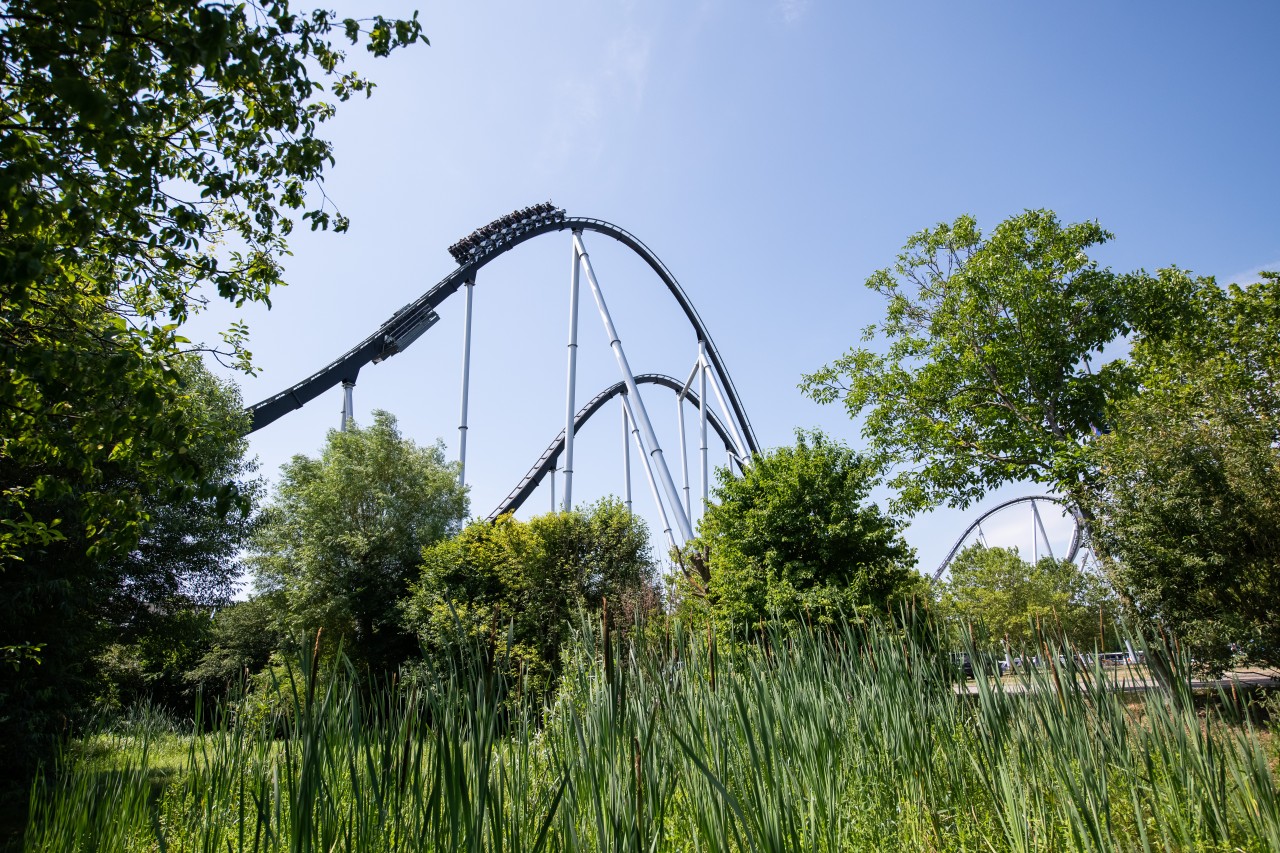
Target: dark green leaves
[[1189, 486], [151, 152], [515, 587]]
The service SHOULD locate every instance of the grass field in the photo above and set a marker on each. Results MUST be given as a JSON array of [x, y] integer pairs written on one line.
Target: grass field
[[851, 740]]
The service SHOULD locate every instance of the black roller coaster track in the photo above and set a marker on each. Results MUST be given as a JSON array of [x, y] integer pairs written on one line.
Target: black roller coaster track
[[1072, 550], [407, 324], [547, 462]]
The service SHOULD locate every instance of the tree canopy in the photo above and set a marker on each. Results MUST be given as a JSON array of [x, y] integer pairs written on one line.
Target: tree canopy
[[995, 366], [514, 587], [63, 603], [1189, 499], [152, 155], [344, 533], [795, 536], [1008, 599]]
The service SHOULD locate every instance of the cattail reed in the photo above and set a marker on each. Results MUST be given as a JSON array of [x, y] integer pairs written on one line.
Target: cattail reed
[[858, 736]]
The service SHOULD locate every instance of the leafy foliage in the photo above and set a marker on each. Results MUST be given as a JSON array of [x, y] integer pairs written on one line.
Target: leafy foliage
[[1009, 600], [794, 536], [147, 666], [70, 602], [187, 548], [345, 532], [1190, 500], [514, 587], [989, 373], [152, 154], [242, 637], [143, 134]]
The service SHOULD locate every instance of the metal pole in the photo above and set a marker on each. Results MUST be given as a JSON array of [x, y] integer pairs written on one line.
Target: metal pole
[[1043, 533], [688, 383], [702, 418], [348, 410], [573, 374], [684, 455], [466, 382], [626, 456], [554, 463], [648, 469], [638, 413], [728, 418]]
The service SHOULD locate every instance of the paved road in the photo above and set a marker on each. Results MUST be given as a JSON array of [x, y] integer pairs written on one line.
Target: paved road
[[1136, 679]]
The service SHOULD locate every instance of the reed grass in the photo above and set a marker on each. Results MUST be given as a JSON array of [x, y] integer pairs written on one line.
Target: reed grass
[[854, 738]]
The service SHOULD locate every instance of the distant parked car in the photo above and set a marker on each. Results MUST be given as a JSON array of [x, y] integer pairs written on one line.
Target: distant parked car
[[963, 665]]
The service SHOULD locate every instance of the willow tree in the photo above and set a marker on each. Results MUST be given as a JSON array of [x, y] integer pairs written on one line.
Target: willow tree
[[344, 535]]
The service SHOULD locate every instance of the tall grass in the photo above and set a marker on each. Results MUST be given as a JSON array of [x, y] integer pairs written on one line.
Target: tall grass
[[850, 739]]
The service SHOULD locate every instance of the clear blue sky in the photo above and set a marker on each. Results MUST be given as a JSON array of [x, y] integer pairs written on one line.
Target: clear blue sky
[[773, 154]]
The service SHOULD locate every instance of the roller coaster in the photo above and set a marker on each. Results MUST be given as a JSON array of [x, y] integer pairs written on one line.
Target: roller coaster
[[1038, 532], [709, 373], [472, 254]]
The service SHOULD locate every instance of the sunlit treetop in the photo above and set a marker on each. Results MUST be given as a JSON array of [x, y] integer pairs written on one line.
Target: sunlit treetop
[[162, 150]]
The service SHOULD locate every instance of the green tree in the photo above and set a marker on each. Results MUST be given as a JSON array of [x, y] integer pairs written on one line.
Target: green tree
[[794, 536], [1189, 504], [242, 637], [1008, 599], [992, 369], [187, 548], [148, 665], [162, 591], [515, 587], [345, 532], [67, 603], [152, 154]]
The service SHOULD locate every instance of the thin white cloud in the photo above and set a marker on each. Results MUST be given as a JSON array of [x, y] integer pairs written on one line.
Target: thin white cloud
[[1250, 275], [792, 10], [628, 66], [587, 104]]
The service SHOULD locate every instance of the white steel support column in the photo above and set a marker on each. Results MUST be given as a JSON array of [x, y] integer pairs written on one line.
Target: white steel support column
[[626, 456], [635, 404], [573, 374], [702, 419], [470, 284], [743, 453], [1035, 536], [552, 475], [648, 470], [684, 444], [1035, 511], [348, 410], [684, 455]]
